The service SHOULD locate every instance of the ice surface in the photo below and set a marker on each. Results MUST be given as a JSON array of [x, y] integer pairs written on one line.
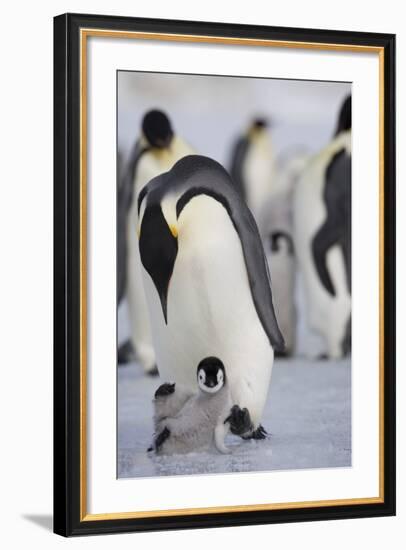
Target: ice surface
[[308, 416]]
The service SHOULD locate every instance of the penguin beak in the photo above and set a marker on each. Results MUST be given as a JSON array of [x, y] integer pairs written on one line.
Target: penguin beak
[[158, 246]]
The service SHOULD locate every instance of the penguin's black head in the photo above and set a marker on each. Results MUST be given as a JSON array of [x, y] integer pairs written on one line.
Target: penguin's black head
[[157, 129], [276, 237], [260, 123], [158, 246], [211, 375], [344, 118]]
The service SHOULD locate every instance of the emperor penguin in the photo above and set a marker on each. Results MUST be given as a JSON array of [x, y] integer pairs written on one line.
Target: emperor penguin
[[252, 165], [276, 227], [187, 422], [322, 237], [155, 151], [207, 284]]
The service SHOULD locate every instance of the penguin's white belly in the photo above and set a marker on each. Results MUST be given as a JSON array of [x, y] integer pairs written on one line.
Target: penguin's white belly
[[211, 310]]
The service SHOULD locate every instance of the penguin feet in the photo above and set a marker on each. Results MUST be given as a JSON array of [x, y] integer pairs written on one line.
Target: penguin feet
[[239, 420], [282, 354], [125, 353], [259, 433], [164, 390]]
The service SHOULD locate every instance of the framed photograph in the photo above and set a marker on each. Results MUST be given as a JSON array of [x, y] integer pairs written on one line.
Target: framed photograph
[[224, 274]]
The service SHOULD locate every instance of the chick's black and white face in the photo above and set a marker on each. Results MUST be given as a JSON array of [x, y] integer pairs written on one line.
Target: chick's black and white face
[[210, 375]]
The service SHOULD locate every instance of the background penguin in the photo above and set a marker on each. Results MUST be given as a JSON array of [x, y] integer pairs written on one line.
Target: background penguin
[[276, 227], [186, 423], [156, 150], [207, 283], [252, 165], [322, 236]]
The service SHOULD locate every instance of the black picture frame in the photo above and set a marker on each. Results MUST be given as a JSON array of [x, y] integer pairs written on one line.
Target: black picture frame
[[67, 288]]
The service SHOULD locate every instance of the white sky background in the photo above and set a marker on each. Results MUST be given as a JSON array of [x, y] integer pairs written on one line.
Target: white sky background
[[210, 111]]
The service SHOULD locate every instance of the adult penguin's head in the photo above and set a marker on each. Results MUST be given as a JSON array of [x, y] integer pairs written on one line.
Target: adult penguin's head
[[344, 118], [158, 242], [260, 123], [157, 129]]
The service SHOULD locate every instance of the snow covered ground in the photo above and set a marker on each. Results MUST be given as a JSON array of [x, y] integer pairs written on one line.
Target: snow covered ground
[[308, 416]]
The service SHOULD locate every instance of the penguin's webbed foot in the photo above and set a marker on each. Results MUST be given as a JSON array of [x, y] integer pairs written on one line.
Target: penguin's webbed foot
[[125, 353], [164, 390], [259, 433], [239, 420], [281, 354]]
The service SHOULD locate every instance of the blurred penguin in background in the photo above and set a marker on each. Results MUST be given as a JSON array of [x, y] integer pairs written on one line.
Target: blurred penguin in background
[[276, 226], [322, 237], [156, 150], [252, 165]]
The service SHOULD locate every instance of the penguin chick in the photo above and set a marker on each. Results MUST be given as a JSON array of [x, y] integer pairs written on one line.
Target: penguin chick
[[200, 421]]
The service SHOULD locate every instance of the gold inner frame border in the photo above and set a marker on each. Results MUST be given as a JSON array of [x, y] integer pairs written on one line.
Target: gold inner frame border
[[174, 37]]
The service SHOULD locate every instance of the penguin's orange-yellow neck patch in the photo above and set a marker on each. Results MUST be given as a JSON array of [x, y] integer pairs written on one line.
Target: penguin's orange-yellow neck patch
[[173, 230]]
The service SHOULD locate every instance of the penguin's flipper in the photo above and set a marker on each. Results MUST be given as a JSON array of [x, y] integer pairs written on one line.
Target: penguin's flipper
[[336, 228], [161, 438], [164, 389], [169, 399], [327, 236], [337, 197], [258, 272]]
